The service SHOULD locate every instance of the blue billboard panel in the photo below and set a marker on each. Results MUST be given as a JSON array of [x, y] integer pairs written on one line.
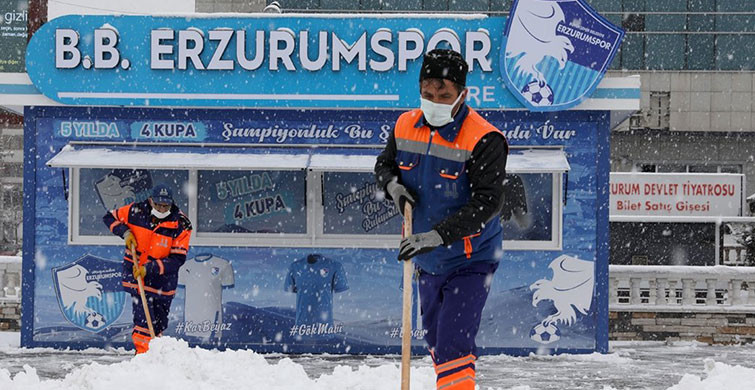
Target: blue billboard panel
[[363, 61], [242, 292]]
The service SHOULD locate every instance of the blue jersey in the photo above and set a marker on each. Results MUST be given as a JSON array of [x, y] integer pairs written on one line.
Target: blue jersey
[[314, 279]]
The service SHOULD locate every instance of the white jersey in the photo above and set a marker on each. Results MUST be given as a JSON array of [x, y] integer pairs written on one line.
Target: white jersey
[[204, 277]]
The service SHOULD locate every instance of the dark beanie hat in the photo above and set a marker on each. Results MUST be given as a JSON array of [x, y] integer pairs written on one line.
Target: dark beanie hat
[[444, 64]]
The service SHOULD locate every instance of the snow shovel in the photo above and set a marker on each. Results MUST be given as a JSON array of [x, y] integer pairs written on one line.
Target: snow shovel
[[406, 320], [141, 294]]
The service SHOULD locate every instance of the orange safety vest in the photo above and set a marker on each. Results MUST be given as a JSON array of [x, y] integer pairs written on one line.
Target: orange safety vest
[[432, 165]]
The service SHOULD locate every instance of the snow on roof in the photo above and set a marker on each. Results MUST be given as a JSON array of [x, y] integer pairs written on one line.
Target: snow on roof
[[106, 157], [536, 160], [78, 156]]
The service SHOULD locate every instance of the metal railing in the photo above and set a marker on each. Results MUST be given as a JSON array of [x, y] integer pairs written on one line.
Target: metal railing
[[10, 278], [681, 288]]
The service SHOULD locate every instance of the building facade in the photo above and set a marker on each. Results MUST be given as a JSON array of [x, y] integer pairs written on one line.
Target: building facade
[[696, 60]]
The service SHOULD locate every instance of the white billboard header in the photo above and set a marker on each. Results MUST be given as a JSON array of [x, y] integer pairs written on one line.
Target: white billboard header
[[677, 194]]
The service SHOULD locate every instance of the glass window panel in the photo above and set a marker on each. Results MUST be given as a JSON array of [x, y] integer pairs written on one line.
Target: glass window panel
[[603, 6], [733, 5], [633, 22], [634, 5], [468, 5], [701, 5], [527, 213], [665, 51], [665, 22], [101, 190], [339, 4], [661, 243], [671, 168], [500, 5], [646, 167], [403, 5], [351, 207], [252, 202], [435, 5], [735, 22], [633, 52], [371, 5], [615, 19], [700, 52], [703, 169], [735, 52], [701, 23], [299, 4], [666, 5], [731, 169]]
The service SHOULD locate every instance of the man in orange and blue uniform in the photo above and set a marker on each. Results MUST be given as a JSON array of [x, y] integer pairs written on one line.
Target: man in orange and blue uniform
[[449, 163], [160, 232]]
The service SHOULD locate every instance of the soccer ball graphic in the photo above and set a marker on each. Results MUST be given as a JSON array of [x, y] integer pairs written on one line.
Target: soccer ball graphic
[[95, 320], [538, 93], [545, 334]]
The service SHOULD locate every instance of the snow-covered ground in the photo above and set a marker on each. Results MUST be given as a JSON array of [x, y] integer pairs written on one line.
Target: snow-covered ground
[[173, 365]]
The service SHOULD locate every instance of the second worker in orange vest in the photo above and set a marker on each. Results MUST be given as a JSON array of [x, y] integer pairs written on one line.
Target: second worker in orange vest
[[161, 233]]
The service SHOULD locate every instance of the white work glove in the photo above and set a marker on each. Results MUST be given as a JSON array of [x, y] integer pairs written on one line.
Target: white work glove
[[417, 244]]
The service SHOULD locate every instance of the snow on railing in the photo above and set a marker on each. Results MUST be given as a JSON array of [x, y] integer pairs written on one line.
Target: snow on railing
[[681, 288], [10, 278]]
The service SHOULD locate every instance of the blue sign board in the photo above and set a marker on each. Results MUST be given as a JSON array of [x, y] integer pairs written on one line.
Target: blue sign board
[[365, 61]]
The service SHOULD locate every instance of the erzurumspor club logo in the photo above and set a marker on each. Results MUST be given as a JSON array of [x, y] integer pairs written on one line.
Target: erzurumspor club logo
[[570, 290], [556, 52], [89, 292]]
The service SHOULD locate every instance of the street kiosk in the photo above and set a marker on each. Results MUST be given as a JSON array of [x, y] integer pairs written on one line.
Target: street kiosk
[[267, 127]]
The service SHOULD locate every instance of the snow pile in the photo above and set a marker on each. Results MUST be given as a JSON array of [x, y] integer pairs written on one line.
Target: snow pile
[[719, 376], [173, 365], [610, 358]]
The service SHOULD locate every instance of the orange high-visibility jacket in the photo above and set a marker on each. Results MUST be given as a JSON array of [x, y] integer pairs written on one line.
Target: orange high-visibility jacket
[[161, 245]]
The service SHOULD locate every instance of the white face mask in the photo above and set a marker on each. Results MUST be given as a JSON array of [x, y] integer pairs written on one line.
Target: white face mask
[[437, 114], [160, 215]]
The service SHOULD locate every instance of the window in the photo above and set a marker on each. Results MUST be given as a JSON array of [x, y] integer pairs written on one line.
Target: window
[[352, 205], [289, 199], [647, 168], [532, 212], [703, 168], [671, 168], [633, 22], [101, 190], [528, 207], [691, 168], [252, 202], [660, 106], [730, 169]]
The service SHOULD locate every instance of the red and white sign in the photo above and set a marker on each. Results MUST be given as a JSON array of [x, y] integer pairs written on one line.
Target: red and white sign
[[677, 194]]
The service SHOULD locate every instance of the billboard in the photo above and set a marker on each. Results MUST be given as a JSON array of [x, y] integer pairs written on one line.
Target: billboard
[[264, 60], [275, 233], [677, 194], [13, 35]]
